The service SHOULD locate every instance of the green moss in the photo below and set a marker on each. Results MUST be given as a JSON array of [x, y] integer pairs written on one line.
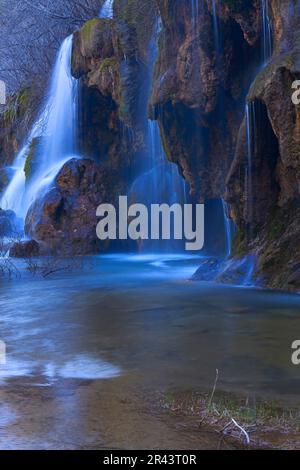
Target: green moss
[[31, 159], [239, 243], [140, 18], [107, 63], [275, 224], [9, 115], [88, 28], [17, 106], [23, 99]]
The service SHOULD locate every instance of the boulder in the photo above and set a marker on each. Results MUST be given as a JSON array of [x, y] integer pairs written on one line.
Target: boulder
[[65, 218], [208, 270]]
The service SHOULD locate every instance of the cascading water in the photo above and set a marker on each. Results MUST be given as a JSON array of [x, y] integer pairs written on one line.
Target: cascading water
[[195, 12], [228, 228], [107, 9], [160, 183], [228, 224], [55, 130], [216, 26], [250, 119], [267, 46]]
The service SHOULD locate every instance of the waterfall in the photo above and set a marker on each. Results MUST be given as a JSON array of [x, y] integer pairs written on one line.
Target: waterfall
[[267, 46], [226, 217], [216, 26], [160, 182], [107, 9], [195, 12], [250, 119], [228, 230], [55, 131]]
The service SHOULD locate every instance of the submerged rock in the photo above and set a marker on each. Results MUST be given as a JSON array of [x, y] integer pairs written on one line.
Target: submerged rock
[[208, 270]]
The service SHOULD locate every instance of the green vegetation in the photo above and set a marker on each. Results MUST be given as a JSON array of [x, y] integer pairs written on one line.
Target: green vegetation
[[225, 406], [88, 28], [277, 222], [239, 243], [265, 422], [139, 17], [31, 158], [107, 63], [17, 106]]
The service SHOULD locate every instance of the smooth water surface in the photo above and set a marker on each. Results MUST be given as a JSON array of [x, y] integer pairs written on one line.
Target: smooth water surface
[[140, 316]]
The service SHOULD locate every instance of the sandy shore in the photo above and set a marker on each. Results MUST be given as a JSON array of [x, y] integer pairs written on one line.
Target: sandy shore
[[77, 414]]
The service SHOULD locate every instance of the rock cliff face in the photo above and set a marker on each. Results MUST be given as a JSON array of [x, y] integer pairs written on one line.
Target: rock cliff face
[[200, 85], [109, 59], [199, 96], [268, 216], [14, 124]]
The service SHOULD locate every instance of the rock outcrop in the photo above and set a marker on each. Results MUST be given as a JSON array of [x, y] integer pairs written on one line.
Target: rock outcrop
[[109, 60], [14, 121], [64, 219], [199, 97], [202, 76], [266, 203]]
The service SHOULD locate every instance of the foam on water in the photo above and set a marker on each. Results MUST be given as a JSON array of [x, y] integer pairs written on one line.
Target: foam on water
[[79, 367]]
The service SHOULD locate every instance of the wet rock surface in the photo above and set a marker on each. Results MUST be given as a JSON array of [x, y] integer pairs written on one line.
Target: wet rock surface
[[208, 270], [268, 219], [199, 87], [65, 218]]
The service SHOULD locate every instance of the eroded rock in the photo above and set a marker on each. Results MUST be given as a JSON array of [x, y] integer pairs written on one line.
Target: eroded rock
[[65, 218]]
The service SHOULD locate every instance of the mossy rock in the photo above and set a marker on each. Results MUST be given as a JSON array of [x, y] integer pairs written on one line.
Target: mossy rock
[[239, 243], [96, 38], [32, 158], [17, 106], [108, 63]]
